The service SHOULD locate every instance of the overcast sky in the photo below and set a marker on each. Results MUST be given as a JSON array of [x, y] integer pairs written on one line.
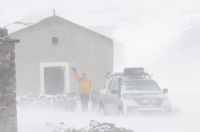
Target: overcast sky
[[147, 29]]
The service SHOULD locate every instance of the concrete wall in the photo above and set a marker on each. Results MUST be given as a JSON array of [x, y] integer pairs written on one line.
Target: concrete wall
[[86, 50]]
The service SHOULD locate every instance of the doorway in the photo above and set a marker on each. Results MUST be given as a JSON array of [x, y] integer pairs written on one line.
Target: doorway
[[54, 78]]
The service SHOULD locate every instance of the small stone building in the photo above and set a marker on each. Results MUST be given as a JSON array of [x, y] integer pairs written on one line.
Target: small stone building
[[50, 48]]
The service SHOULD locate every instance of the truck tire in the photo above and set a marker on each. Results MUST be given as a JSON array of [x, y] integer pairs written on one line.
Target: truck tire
[[111, 109]]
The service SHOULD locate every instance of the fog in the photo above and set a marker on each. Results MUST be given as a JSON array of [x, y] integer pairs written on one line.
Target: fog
[[161, 36]]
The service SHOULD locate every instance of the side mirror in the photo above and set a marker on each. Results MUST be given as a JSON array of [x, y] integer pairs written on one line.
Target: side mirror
[[165, 90]]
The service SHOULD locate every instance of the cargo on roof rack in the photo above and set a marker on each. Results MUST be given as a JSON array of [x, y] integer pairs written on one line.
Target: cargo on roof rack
[[135, 71]]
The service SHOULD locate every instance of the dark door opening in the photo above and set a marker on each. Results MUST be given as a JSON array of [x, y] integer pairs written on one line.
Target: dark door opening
[[54, 80]]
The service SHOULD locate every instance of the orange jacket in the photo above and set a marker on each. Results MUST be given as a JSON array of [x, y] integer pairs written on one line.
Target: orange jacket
[[85, 84]]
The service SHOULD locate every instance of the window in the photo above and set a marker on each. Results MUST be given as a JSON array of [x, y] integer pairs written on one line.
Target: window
[[54, 40], [112, 84]]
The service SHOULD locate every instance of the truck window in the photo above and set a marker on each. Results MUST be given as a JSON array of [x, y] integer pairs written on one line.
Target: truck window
[[112, 85], [140, 85]]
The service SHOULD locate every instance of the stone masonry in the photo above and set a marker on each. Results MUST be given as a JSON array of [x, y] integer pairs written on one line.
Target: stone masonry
[[8, 118]]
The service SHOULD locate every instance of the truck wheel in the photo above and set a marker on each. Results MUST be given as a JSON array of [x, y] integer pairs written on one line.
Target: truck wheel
[[101, 110], [111, 109], [167, 110]]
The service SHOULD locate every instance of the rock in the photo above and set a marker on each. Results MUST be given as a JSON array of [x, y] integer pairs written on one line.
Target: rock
[[95, 126]]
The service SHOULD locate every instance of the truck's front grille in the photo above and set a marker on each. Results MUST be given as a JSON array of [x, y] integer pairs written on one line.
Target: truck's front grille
[[149, 101]]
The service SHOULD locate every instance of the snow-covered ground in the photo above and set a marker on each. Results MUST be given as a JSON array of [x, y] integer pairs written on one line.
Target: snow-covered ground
[[185, 117]]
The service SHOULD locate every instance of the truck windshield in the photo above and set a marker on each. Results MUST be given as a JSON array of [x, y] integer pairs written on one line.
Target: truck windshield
[[148, 85]]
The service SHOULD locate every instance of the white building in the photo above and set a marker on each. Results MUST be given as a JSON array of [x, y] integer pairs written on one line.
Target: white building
[[50, 48]]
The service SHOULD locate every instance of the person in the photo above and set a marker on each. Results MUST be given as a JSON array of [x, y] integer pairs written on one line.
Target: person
[[84, 89]]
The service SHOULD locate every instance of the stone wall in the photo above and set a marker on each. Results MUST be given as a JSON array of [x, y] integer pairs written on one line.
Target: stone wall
[[8, 118]]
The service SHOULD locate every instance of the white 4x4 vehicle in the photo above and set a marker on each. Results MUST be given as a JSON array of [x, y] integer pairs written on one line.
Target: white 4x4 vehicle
[[132, 91]]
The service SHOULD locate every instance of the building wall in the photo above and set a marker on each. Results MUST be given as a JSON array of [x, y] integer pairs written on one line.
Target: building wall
[[86, 50]]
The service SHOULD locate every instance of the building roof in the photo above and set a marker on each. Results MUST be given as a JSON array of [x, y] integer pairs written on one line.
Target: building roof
[[57, 19]]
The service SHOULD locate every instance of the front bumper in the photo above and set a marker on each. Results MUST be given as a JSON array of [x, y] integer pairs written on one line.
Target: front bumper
[[146, 109]]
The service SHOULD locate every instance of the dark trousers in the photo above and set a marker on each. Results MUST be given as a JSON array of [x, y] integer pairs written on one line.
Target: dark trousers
[[84, 102]]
